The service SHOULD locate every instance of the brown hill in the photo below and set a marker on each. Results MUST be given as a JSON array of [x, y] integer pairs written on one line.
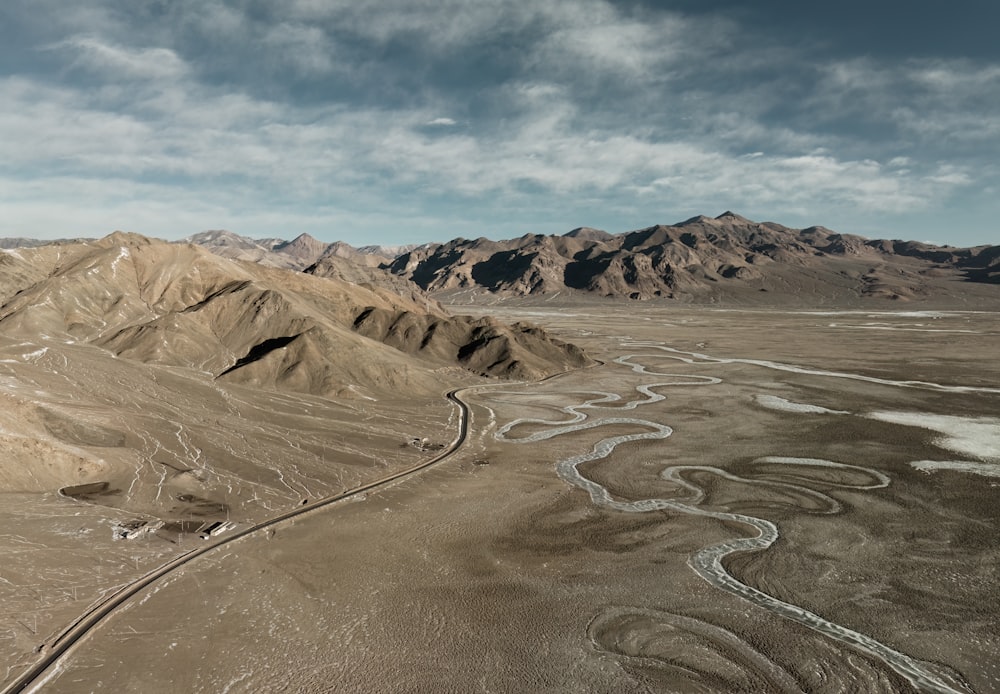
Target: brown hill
[[483, 345], [705, 259], [302, 251], [182, 388], [179, 305], [369, 256], [17, 270], [358, 269]]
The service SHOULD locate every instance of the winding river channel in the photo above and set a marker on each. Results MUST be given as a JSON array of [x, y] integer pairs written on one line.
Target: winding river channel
[[708, 561]]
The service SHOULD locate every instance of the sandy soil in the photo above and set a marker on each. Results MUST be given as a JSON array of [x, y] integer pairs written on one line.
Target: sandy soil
[[168, 446], [532, 562]]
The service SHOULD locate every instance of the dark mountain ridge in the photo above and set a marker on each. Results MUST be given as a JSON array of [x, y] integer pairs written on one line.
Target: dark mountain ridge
[[701, 259]]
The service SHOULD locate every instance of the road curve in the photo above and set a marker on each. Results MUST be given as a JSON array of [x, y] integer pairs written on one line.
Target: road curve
[[93, 617]]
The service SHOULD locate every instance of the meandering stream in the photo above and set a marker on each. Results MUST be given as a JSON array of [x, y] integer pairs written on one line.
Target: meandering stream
[[708, 561]]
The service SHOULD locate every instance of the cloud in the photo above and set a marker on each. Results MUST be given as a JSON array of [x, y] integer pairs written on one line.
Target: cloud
[[601, 39], [564, 105], [210, 140], [440, 25], [306, 49], [117, 62], [925, 98]]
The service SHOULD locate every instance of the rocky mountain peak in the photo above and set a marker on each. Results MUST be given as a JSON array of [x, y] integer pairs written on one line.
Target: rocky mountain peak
[[732, 217], [123, 238]]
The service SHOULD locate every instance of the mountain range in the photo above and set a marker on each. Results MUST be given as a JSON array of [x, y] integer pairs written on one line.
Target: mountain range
[[245, 322], [700, 260], [703, 259], [297, 254]]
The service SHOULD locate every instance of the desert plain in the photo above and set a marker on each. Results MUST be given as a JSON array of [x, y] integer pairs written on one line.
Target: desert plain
[[729, 499]]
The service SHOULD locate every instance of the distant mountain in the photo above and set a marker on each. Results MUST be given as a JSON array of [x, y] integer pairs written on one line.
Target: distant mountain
[[531, 264], [302, 251], [297, 254], [179, 305], [388, 252], [589, 234], [9, 242], [226, 244], [704, 259], [357, 256], [337, 260]]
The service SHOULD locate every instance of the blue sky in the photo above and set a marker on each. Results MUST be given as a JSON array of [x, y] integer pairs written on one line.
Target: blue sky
[[400, 121]]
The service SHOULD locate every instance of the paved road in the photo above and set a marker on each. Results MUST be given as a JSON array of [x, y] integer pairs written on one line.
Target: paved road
[[98, 613]]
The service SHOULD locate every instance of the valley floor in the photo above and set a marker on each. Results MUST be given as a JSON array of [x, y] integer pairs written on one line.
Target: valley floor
[[735, 500]]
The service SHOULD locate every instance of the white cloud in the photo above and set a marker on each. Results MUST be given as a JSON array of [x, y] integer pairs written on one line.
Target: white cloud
[[955, 99], [601, 39], [951, 76], [575, 35], [950, 175], [437, 24], [118, 62], [307, 49], [947, 125], [591, 102], [305, 155], [741, 130], [216, 19]]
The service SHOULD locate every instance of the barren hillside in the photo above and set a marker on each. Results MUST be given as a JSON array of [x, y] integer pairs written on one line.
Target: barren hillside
[[179, 305]]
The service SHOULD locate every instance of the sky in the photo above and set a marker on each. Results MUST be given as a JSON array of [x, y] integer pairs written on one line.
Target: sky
[[407, 121]]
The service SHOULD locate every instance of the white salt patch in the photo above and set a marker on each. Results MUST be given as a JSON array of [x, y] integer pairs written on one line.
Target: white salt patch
[[984, 469], [880, 326], [773, 402], [978, 437], [890, 314], [787, 460], [698, 358], [914, 314]]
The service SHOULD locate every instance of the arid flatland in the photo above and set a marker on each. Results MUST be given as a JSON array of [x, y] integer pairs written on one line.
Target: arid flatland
[[867, 439]]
